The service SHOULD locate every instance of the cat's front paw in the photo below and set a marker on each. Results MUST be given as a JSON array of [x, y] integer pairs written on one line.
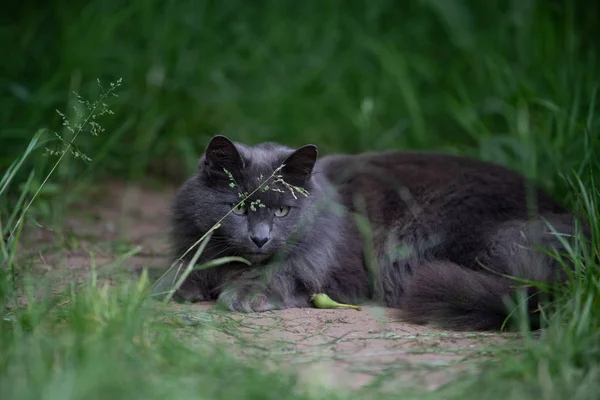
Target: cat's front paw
[[246, 300], [191, 292]]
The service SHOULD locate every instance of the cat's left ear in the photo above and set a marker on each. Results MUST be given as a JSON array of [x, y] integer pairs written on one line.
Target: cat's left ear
[[221, 153], [298, 166]]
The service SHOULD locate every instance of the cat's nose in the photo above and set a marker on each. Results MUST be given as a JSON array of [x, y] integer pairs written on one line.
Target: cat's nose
[[260, 241], [260, 234]]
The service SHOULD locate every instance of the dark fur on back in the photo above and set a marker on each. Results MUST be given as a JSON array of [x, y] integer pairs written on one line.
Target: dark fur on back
[[444, 229]]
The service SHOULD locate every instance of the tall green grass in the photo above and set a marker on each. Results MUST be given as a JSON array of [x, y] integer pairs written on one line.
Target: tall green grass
[[514, 82], [348, 76]]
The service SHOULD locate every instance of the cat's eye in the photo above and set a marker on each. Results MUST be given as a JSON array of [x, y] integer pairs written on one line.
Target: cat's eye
[[239, 210], [282, 211]]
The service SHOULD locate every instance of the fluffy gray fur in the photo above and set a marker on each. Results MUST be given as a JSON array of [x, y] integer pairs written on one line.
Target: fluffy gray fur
[[443, 228]]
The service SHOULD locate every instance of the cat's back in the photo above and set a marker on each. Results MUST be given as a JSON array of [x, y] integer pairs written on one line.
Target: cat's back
[[414, 169], [382, 177]]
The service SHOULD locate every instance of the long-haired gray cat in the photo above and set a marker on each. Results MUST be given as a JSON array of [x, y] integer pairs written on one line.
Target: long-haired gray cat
[[436, 236]]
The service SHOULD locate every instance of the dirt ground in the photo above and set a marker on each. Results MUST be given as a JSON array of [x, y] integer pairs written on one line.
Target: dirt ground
[[343, 348]]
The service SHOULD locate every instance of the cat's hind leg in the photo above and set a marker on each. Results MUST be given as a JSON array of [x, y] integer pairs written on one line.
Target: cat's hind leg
[[477, 297]]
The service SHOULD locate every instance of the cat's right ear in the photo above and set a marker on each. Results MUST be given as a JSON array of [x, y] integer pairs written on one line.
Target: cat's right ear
[[221, 154], [299, 165]]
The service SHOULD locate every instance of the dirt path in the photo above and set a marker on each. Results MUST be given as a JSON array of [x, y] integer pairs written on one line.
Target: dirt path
[[343, 348], [350, 349]]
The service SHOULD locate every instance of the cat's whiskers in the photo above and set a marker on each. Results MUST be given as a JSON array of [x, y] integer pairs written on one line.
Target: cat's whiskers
[[223, 249]]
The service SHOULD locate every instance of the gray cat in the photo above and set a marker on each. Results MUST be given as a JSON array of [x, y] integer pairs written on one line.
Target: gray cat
[[429, 234]]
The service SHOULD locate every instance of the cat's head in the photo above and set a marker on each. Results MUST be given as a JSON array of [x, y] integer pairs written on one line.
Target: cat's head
[[276, 183]]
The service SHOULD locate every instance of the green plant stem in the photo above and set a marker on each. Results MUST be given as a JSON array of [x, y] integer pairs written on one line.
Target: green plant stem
[[62, 155]]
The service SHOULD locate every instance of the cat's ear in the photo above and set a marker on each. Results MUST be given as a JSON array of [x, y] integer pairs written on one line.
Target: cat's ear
[[221, 154], [298, 166]]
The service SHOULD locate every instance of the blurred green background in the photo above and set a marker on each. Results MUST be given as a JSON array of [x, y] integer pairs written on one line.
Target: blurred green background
[[511, 81]]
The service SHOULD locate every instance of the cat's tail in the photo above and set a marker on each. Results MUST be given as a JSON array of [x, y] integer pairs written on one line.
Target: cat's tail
[[454, 297]]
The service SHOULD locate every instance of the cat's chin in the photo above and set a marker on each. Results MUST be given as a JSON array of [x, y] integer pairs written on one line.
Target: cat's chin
[[257, 258]]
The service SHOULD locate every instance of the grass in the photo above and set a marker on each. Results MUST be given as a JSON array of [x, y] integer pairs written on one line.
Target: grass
[[510, 82], [103, 341]]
